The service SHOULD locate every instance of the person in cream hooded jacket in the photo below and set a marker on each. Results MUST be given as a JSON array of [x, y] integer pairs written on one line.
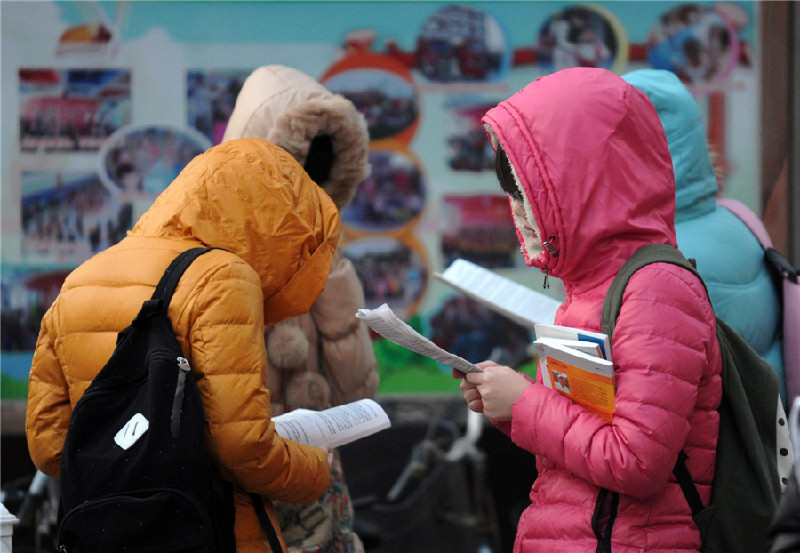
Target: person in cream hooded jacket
[[585, 162], [323, 357], [280, 232]]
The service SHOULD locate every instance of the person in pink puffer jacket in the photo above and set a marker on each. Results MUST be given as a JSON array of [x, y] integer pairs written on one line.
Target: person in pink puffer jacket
[[585, 162]]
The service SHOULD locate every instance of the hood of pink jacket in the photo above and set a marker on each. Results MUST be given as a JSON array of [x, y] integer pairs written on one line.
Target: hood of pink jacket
[[592, 159]]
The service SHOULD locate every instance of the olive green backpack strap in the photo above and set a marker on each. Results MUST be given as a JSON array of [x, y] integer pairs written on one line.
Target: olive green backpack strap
[[650, 253]]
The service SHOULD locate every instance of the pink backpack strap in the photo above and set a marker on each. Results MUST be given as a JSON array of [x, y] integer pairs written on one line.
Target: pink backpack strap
[[748, 218]]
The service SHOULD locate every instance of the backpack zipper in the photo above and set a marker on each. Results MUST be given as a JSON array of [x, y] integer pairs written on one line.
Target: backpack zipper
[[177, 400]]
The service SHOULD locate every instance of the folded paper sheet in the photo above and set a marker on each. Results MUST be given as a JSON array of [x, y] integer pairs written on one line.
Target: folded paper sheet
[[384, 321]]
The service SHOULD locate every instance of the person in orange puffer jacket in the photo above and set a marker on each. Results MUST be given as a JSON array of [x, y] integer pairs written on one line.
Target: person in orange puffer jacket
[[280, 231]]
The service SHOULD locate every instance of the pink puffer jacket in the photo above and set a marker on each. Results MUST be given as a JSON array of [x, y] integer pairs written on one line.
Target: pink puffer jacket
[[591, 157]]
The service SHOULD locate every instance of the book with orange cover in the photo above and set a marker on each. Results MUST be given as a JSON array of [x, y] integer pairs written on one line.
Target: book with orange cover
[[577, 370]]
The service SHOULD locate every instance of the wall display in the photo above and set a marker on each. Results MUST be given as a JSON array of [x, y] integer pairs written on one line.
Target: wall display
[[393, 195], [392, 271], [582, 36], [460, 43], [138, 162], [211, 97], [471, 330], [114, 98], [382, 89], [479, 229], [67, 217], [696, 42], [71, 109], [469, 150], [27, 291]]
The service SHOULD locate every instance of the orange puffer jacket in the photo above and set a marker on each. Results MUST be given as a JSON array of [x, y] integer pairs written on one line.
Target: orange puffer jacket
[[254, 200]]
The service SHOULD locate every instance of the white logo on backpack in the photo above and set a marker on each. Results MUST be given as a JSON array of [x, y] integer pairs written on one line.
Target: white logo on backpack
[[132, 431]]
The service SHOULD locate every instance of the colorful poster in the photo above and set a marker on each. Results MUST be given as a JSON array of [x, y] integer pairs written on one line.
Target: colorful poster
[[479, 229], [392, 197], [461, 44], [211, 97], [138, 162], [26, 294], [582, 36], [67, 217], [468, 147], [391, 272], [71, 109], [125, 94]]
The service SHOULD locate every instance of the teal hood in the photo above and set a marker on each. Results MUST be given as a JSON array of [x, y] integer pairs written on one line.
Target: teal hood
[[695, 181]]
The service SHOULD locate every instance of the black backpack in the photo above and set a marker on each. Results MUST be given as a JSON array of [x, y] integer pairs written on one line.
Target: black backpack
[[746, 487], [136, 474]]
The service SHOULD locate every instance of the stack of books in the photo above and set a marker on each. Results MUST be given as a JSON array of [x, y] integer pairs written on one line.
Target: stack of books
[[577, 363]]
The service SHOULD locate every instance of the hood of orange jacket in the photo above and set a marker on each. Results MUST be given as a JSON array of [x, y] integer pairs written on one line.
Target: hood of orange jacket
[[253, 199]]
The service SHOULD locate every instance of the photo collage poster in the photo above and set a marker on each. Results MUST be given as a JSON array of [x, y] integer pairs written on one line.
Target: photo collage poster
[[111, 103]]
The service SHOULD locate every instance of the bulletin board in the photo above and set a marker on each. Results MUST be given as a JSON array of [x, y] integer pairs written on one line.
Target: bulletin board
[[104, 103]]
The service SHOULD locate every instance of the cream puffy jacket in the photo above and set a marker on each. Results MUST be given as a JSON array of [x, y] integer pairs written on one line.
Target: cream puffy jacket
[[254, 200], [324, 357]]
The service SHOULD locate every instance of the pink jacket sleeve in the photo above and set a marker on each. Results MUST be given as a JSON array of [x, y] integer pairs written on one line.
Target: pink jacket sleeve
[[664, 345]]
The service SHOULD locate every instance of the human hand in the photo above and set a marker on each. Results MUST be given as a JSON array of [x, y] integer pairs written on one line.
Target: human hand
[[497, 388], [471, 394]]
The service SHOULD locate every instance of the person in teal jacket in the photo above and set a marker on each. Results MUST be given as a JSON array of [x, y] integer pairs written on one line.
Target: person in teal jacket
[[729, 257]]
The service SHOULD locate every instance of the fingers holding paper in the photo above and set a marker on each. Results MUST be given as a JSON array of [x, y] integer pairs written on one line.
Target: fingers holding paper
[[496, 389], [471, 395]]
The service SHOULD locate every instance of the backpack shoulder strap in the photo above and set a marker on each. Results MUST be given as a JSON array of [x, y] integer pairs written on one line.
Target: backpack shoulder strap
[[650, 253], [749, 218], [169, 281]]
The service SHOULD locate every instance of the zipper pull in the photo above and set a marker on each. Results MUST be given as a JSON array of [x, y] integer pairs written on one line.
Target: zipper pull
[[177, 401], [183, 364], [549, 245], [546, 283]]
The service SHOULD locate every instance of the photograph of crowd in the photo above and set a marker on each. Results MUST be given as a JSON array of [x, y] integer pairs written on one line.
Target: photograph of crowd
[[479, 229], [26, 295], [390, 271], [474, 332], [139, 162], [67, 217], [72, 109], [462, 44], [391, 197], [387, 100], [211, 97], [577, 36], [695, 42], [469, 150]]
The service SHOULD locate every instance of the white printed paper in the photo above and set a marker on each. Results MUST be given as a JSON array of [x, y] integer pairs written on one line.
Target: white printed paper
[[383, 321], [332, 427], [515, 301]]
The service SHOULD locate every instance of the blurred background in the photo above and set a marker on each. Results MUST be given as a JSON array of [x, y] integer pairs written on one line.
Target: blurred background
[[103, 103]]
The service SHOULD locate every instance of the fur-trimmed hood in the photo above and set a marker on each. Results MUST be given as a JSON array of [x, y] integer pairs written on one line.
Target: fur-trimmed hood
[[288, 108]]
